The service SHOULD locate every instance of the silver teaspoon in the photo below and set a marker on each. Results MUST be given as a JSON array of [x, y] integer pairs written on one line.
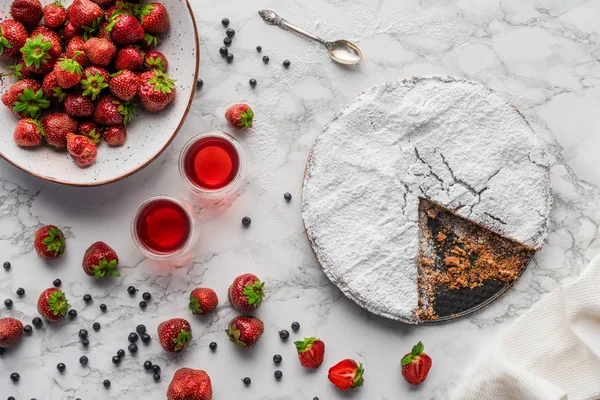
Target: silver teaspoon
[[342, 51]]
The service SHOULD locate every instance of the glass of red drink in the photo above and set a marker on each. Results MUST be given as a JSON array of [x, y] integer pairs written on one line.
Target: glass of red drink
[[164, 227], [212, 164]]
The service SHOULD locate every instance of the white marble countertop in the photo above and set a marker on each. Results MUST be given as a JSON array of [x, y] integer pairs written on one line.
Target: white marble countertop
[[542, 55]]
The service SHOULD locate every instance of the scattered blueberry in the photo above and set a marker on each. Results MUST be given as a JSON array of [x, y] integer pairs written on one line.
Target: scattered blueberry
[[252, 82], [87, 298], [37, 322], [61, 367], [145, 338], [283, 334], [156, 369], [277, 359], [116, 360], [199, 84], [8, 303], [10, 398], [83, 360], [230, 32], [315, 398], [15, 377], [140, 329], [133, 337], [247, 381], [225, 21], [258, 48], [266, 59], [223, 51], [212, 346], [148, 365], [2, 351], [246, 221], [286, 63], [57, 282], [295, 326], [106, 383], [20, 292], [133, 348], [227, 41], [278, 374], [102, 307], [27, 329], [120, 353], [6, 265], [96, 326], [85, 342], [72, 313], [229, 57], [156, 377], [146, 296], [83, 333], [287, 197], [131, 290], [143, 304]]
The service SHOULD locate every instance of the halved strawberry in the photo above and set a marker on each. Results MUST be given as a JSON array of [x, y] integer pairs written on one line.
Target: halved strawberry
[[347, 374], [416, 365], [310, 352]]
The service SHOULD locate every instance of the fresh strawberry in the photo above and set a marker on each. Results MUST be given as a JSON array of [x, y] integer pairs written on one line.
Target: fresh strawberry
[[84, 13], [70, 32], [100, 51], [246, 292], [203, 301], [124, 84], [155, 18], [156, 90], [28, 133], [310, 352], [416, 365], [82, 149], [155, 60], [112, 111], [25, 98], [94, 80], [52, 304], [55, 15], [27, 12], [68, 72], [76, 52], [100, 260], [56, 126], [150, 41], [49, 242], [190, 384], [41, 52], [104, 3], [240, 116], [52, 89], [245, 331], [11, 330], [174, 334], [120, 8], [19, 71], [347, 374], [13, 36], [125, 29], [115, 136], [130, 58], [79, 106], [89, 130]]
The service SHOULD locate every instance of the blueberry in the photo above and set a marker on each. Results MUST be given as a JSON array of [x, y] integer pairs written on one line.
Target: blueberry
[[286, 63], [106, 383], [230, 32], [83, 333], [283, 334], [133, 348], [10, 398], [229, 57], [199, 84], [156, 377], [57, 282], [116, 360], [102, 307], [156, 369], [96, 326], [246, 221], [131, 290], [148, 365], [133, 337], [72, 313], [145, 338], [277, 359], [85, 342], [146, 296], [278, 374], [20, 292], [266, 59], [2, 351], [83, 360], [295, 326], [140, 329], [120, 353], [6, 265], [8, 303], [143, 304], [87, 298], [252, 82], [27, 329], [247, 381], [287, 197], [227, 41], [223, 51], [37, 322], [212, 346], [61, 367], [315, 398], [225, 21], [258, 48], [15, 377]]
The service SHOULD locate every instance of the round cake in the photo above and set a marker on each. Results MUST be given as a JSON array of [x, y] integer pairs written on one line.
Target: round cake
[[452, 142]]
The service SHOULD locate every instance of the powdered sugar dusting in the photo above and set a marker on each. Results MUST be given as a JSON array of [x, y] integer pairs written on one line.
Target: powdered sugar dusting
[[450, 140]]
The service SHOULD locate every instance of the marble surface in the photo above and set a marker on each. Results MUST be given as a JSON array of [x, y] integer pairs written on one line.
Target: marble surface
[[542, 55]]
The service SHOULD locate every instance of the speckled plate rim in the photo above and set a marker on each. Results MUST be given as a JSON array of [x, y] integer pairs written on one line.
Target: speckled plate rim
[[353, 296], [157, 154]]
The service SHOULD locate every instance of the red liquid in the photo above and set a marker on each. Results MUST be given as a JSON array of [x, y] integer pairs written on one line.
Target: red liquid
[[163, 226], [212, 163]]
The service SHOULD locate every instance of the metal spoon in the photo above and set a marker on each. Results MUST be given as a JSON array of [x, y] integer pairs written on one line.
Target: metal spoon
[[342, 51]]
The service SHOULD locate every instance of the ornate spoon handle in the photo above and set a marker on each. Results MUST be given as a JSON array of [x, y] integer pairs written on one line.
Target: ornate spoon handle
[[272, 18]]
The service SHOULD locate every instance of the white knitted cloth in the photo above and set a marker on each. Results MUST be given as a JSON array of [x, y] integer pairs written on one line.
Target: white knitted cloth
[[550, 352]]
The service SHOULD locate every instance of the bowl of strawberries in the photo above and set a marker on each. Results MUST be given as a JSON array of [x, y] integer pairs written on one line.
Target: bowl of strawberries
[[95, 90]]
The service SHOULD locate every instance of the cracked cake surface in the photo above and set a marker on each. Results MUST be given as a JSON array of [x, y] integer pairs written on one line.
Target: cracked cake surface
[[450, 140]]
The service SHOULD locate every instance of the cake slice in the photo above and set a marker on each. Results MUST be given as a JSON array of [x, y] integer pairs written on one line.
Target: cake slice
[[461, 264]]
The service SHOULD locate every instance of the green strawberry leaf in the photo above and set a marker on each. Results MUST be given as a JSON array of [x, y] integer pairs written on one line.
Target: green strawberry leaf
[[35, 52], [234, 335], [30, 103], [106, 268], [58, 304], [304, 345], [358, 378], [195, 306], [254, 293], [182, 339]]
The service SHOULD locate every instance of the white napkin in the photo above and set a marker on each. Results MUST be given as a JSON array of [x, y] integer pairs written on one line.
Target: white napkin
[[550, 352]]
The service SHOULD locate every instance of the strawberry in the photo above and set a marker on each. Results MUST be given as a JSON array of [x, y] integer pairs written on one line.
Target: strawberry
[[347, 374], [310, 352], [245, 331], [19, 70], [150, 41], [56, 127], [55, 15], [27, 12], [76, 52], [25, 98], [174, 334], [112, 111], [155, 60], [94, 80], [49, 242], [203, 301], [246, 292], [102, 33], [13, 36], [83, 151], [52, 304], [120, 8], [68, 72], [11, 330], [84, 13], [100, 51], [28, 133], [100, 261], [130, 58], [416, 365], [79, 106], [70, 31], [156, 90], [40, 54], [104, 3], [124, 84], [240, 116], [52, 89], [89, 130], [115, 136], [155, 18], [125, 29], [190, 384]]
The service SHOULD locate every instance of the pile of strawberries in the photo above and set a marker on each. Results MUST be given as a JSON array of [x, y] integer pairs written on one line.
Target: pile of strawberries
[[83, 68]]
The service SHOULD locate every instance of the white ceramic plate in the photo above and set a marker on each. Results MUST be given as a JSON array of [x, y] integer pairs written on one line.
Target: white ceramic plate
[[147, 136]]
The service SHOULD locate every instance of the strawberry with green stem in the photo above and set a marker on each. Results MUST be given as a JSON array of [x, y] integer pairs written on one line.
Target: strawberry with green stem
[[94, 81], [49, 242], [76, 52], [112, 111], [121, 8], [174, 335], [125, 29], [68, 71], [310, 352], [245, 331], [39, 54], [13, 36], [347, 375], [89, 130], [83, 13], [240, 116], [53, 304], [246, 292], [28, 133], [26, 99], [203, 301], [19, 71], [154, 17], [155, 60], [156, 90], [416, 365], [150, 41], [100, 261], [52, 89]]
